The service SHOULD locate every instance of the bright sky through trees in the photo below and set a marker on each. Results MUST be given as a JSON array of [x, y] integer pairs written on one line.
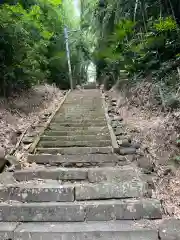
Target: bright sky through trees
[[77, 7]]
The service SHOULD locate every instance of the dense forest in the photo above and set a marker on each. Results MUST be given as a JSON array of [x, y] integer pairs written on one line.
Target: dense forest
[[130, 42], [136, 41], [32, 44]]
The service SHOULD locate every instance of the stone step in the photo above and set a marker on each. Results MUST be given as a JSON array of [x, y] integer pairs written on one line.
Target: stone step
[[85, 116], [76, 132], [169, 229], [41, 212], [75, 138], [63, 118], [79, 105], [115, 230], [75, 123], [83, 125], [52, 173], [71, 159], [78, 108], [96, 143], [7, 230], [90, 174], [69, 115], [79, 118], [81, 211], [89, 102], [90, 86], [38, 192], [106, 190], [49, 190], [90, 108], [84, 99], [80, 128], [76, 150], [78, 121], [113, 174]]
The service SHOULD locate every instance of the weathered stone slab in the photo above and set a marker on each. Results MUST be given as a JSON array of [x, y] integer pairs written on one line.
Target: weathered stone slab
[[112, 174], [119, 131], [97, 137], [80, 128], [127, 150], [79, 118], [104, 210], [78, 132], [60, 143], [61, 117], [100, 211], [54, 174], [138, 209], [127, 189], [41, 212], [28, 140], [7, 178], [7, 230], [80, 107], [38, 193], [76, 150], [170, 229], [89, 158], [124, 143], [83, 114], [107, 210], [80, 124], [114, 230], [81, 121]]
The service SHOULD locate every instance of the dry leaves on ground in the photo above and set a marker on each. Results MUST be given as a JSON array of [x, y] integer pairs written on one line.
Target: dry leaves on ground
[[157, 132], [21, 111]]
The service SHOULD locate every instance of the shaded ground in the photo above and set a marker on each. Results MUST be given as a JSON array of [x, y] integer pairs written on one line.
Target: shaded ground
[[158, 133], [20, 112]]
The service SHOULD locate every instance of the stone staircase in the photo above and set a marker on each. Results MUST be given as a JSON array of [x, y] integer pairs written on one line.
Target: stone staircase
[[79, 189]]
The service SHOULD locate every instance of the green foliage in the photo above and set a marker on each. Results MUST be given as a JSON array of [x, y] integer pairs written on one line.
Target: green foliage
[[20, 62], [165, 24], [141, 37], [32, 48]]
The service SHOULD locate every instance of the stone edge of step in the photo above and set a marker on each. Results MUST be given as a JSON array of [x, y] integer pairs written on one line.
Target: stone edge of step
[[161, 229], [104, 210], [76, 150], [113, 136], [91, 174], [75, 138], [37, 139], [67, 144], [48, 158]]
